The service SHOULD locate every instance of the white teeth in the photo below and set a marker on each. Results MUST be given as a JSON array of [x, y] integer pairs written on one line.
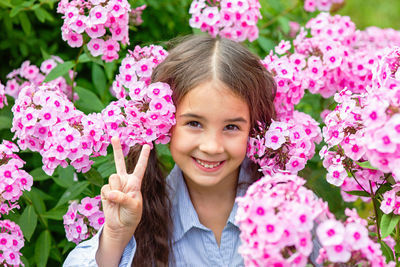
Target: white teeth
[[208, 166]]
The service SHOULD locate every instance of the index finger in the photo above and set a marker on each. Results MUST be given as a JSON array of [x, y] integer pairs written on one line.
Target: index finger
[[118, 156]]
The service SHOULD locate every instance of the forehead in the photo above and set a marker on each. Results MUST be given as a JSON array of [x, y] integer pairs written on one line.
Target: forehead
[[214, 99]]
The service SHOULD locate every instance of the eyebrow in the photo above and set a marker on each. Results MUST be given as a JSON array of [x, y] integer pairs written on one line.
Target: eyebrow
[[192, 115]]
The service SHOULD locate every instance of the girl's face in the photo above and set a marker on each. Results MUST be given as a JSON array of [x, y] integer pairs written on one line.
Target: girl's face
[[209, 140]]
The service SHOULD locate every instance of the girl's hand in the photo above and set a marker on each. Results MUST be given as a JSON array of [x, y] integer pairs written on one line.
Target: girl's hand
[[121, 198]]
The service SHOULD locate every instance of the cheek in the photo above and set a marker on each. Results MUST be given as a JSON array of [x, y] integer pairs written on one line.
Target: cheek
[[179, 143], [238, 147]]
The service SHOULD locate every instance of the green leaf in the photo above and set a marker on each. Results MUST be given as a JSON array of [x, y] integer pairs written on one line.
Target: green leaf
[[45, 55], [383, 188], [266, 44], [358, 193], [39, 175], [34, 197], [387, 251], [59, 70], [83, 58], [15, 10], [39, 12], [106, 169], [65, 176], [99, 79], [25, 261], [5, 122], [388, 223], [397, 248], [28, 222], [66, 245], [284, 23], [276, 5], [88, 101], [56, 213], [72, 192], [366, 165], [110, 68], [25, 23], [94, 177], [5, 3], [56, 254], [42, 248]]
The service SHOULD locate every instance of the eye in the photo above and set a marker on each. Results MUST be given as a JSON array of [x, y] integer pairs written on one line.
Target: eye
[[193, 124], [231, 127]]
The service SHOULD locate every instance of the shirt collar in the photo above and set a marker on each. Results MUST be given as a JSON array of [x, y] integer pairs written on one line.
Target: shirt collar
[[184, 215]]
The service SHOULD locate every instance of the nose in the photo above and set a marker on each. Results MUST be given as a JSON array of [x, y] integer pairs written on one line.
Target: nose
[[211, 143]]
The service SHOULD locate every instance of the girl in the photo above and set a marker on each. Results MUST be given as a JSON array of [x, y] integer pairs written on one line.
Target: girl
[[221, 90]]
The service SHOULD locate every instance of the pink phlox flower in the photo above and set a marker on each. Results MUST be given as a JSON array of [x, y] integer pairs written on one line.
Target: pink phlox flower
[[98, 15], [339, 252], [282, 47], [96, 47], [88, 206], [96, 31], [274, 139], [356, 235], [330, 232]]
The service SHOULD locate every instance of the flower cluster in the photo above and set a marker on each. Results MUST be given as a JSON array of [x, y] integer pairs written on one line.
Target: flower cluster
[[11, 241], [29, 74], [147, 116], [333, 57], [47, 122], [321, 5], [136, 15], [13, 180], [136, 69], [286, 145], [83, 220], [276, 218], [90, 19], [366, 127], [280, 221], [3, 98], [231, 19], [349, 243]]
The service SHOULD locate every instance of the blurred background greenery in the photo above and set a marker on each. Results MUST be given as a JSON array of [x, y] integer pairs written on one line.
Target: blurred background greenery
[[30, 30]]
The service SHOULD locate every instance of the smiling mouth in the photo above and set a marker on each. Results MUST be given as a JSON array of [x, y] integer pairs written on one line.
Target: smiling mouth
[[208, 164]]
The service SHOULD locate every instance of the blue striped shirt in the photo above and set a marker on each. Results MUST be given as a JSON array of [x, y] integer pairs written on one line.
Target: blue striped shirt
[[193, 244]]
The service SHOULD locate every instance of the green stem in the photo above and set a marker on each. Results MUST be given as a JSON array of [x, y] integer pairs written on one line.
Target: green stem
[[397, 239], [352, 174], [378, 231], [283, 13], [74, 70]]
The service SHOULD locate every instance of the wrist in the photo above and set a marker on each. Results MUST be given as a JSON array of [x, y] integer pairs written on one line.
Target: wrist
[[111, 246], [118, 238]]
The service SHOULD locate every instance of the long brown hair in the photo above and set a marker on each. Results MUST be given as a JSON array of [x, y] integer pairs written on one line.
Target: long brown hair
[[195, 60]]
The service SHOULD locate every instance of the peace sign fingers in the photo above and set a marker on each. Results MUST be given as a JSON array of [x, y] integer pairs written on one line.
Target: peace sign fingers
[[118, 156], [134, 183]]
